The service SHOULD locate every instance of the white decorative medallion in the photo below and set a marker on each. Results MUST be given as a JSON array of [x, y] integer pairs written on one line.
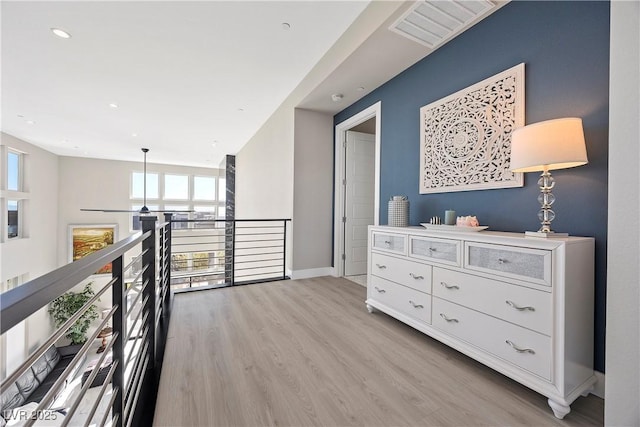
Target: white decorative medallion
[[466, 137]]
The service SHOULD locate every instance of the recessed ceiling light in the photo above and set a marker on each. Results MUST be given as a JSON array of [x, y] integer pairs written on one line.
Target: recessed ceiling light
[[286, 26], [30, 122], [134, 135], [360, 89], [113, 105], [337, 97], [61, 33]]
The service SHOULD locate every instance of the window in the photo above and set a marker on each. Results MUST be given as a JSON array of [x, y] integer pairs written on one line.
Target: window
[[12, 194], [204, 188], [176, 187], [13, 171], [222, 189], [179, 192], [137, 185], [13, 215]]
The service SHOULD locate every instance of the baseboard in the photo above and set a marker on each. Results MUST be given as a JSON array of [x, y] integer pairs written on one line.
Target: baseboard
[[598, 387], [312, 272]]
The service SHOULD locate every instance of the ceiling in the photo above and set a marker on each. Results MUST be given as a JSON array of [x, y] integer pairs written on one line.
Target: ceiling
[[192, 81]]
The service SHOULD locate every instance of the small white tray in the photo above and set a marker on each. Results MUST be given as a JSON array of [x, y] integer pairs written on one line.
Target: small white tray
[[453, 228]]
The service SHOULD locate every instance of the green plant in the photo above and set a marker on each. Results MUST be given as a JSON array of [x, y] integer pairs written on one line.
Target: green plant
[[66, 305]]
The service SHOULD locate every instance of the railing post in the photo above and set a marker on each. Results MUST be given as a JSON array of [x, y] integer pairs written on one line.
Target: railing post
[[118, 321], [166, 261], [229, 251], [149, 277], [284, 249]]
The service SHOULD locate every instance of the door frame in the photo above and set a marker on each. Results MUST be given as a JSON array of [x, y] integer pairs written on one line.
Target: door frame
[[341, 129]]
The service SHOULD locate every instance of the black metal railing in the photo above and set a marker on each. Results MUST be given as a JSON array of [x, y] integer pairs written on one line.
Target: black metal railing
[[244, 251], [214, 253], [139, 313]]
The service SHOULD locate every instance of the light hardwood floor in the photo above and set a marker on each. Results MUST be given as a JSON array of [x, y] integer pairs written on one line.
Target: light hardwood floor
[[307, 353]]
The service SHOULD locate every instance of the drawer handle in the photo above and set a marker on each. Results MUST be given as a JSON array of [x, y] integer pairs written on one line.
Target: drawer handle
[[381, 266], [416, 305], [416, 277], [448, 286], [448, 319], [502, 261], [382, 291], [432, 250], [514, 305], [520, 350], [387, 242]]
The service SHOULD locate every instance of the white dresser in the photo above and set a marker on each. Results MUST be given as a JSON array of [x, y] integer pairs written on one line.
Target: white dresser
[[522, 306]]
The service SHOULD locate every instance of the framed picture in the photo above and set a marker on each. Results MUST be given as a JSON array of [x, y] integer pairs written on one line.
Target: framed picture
[[85, 239], [465, 138]]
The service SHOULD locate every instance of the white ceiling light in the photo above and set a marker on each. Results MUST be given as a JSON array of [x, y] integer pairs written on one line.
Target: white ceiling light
[[61, 33], [337, 97], [113, 105], [30, 122]]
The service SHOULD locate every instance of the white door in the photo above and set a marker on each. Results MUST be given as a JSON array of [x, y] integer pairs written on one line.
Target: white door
[[359, 197]]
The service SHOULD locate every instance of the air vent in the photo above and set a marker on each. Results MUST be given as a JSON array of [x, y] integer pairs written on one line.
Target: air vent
[[433, 22]]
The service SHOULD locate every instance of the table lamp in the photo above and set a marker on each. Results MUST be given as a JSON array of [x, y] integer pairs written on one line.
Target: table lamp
[[545, 146]]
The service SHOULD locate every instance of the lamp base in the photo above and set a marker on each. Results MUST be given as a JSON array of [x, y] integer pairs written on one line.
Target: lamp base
[[541, 235]]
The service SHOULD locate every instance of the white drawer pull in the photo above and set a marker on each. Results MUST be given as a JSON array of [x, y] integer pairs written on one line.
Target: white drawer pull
[[382, 291], [416, 305], [448, 286], [514, 305], [448, 319], [520, 350], [416, 277], [381, 266]]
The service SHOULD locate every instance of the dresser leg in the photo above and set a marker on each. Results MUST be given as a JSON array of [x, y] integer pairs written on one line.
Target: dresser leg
[[370, 309], [559, 410]]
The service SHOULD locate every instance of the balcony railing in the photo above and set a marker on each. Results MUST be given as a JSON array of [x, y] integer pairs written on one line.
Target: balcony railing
[[139, 317], [215, 253], [244, 251]]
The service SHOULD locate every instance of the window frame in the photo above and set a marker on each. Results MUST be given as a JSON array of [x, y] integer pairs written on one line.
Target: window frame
[[162, 202]]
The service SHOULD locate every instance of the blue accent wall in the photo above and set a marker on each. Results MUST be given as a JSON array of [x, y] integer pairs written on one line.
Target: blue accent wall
[[565, 48]]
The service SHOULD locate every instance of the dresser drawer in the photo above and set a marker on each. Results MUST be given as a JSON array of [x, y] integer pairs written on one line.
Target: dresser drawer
[[525, 307], [406, 300], [395, 243], [433, 249], [409, 273], [527, 349], [533, 265]]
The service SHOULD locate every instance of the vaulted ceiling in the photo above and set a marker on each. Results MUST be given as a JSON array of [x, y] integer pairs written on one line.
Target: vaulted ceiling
[[192, 81]]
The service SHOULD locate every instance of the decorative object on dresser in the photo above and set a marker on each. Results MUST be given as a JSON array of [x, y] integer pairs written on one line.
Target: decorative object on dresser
[[465, 138], [523, 307], [398, 214], [545, 146]]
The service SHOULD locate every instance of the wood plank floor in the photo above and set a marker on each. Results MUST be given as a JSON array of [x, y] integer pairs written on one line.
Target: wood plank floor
[[307, 353]]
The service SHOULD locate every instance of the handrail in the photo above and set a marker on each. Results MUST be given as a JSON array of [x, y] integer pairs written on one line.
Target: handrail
[[19, 303]]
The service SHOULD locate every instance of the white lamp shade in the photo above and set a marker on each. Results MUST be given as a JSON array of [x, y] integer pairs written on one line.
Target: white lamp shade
[[552, 144]]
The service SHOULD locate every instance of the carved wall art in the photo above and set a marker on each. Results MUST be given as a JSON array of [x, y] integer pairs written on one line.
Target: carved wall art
[[466, 137]]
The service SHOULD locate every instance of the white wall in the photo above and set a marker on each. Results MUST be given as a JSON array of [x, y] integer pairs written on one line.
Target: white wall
[[622, 389], [34, 255], [264, 170], [312, 191]]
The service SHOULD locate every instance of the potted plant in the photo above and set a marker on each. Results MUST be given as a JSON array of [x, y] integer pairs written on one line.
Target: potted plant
[[66, 305]]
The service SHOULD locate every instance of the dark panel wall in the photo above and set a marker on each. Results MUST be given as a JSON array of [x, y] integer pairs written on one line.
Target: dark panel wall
[[565, 48]]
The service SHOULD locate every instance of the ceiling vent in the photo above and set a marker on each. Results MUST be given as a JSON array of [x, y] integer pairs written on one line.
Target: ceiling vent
[[433, 22]]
